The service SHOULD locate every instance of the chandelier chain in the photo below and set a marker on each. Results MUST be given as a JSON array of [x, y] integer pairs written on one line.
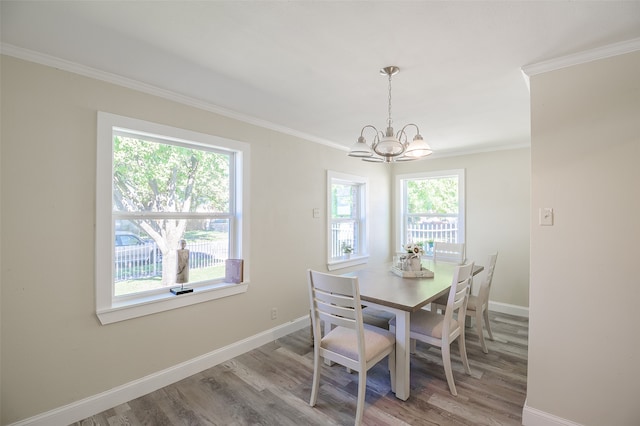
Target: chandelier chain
[[389, 119]]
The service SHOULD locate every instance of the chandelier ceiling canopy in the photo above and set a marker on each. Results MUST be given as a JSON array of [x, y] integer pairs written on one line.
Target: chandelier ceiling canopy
[[387, 147]]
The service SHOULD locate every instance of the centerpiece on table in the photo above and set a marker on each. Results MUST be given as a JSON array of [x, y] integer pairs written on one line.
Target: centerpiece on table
[[409, 264]]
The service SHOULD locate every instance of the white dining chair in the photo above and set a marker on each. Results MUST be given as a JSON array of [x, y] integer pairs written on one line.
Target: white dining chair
[[442, 329], [478, 305], [449, 252], [335, 299]]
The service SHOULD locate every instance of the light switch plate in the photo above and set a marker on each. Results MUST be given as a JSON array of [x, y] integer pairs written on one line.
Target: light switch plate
[[546, 216], [316, 213]]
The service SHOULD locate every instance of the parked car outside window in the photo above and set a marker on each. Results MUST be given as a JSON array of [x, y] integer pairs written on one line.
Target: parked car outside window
[[131, 248]]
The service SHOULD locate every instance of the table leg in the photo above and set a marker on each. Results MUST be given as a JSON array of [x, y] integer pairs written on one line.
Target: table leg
[[402, 355]]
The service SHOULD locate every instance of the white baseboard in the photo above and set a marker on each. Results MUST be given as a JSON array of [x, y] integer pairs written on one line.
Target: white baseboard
[[534, 417], [505, 308], [87, 407]]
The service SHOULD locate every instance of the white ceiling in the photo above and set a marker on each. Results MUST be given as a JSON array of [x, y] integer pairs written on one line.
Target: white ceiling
[[311, 67]]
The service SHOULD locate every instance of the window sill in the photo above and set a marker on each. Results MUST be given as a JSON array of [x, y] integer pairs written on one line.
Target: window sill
[[340, 263], [139, 307]]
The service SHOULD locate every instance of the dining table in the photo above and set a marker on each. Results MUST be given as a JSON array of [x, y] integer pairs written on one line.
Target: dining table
[[383, 289]]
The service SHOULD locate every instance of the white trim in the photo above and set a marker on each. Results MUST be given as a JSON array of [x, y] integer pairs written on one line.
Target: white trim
[[43, 59], [363, 236], [345, 263], [534, 417], [108, 310], [166, 301], [87, 407], [52, 61], [400, 198], [505, 308], [582, 57]]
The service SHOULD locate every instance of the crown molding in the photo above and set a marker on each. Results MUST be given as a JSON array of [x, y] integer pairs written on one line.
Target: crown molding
[[582, 57], [73, 67]]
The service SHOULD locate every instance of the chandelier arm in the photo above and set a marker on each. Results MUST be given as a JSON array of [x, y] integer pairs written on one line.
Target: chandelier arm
[[403, 132], [369, 126], [408, 125]]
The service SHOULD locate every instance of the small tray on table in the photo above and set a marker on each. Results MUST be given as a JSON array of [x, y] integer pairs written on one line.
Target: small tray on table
[[423, 273]]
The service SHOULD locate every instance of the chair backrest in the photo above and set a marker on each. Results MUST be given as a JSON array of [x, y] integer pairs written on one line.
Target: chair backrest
[[449, 252], [335, 299], [485, 286], [458, 297]]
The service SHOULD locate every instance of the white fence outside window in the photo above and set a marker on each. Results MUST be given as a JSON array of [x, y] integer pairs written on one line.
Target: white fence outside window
[[130, 265]]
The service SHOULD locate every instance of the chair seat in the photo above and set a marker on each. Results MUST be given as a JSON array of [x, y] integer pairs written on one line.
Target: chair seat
[[377, 317], [473, 302], [428, 323], [344, 341]]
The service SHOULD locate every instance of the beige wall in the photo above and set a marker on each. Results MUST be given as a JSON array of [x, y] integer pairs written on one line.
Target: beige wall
[[55, 352], [497, 204], [583, 339]]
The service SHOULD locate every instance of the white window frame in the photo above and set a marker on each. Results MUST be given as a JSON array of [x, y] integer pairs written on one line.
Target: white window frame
[[109, 310], [361, 257], [401, 202]]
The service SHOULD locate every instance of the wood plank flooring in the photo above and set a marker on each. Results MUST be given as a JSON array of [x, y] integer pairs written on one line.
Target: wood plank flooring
[[271, 385]]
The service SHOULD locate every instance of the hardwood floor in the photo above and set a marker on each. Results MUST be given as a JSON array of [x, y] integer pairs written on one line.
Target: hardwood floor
[[271, 385]]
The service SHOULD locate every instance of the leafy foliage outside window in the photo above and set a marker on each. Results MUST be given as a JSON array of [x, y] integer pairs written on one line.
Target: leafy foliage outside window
[[163, 190], [433, 196], [431, 208]]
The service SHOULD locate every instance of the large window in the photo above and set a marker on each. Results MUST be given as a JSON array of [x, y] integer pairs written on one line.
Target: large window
[[156, 187], [347, 226], [430, 207]]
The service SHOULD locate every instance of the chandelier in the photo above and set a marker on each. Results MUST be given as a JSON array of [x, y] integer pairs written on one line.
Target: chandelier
[[387, 147]]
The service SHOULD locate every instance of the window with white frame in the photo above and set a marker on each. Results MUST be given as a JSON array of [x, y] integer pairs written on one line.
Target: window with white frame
[[158, 186], [347, 225], [430, 207]]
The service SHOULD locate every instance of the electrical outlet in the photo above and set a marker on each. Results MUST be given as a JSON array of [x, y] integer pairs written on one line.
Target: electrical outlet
[[274, 313]]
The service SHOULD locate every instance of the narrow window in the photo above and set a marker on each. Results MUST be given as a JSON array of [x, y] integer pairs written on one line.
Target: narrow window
[[347, 225]]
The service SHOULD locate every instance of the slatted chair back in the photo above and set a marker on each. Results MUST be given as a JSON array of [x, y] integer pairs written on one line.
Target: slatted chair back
[[449, 252]]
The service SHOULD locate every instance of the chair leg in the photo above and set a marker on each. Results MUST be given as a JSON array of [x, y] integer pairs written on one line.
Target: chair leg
[[487, 323], [480, 332], [310, 329], [446, 360], [462, 345], [316, 377], [362, 390]]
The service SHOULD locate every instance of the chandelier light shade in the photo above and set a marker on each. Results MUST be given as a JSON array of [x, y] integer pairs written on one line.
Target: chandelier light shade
[[388, 147]]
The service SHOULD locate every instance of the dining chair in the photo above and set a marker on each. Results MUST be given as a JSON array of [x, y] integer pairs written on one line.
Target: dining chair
[[335, 299], [449, 252], [442, 329], [478, 305]]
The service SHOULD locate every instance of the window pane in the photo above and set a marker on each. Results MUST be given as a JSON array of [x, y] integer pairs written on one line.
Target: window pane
[[159, 177], [433, 228], [344, 203], [344, 234], [433, 196], [145, 252]]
